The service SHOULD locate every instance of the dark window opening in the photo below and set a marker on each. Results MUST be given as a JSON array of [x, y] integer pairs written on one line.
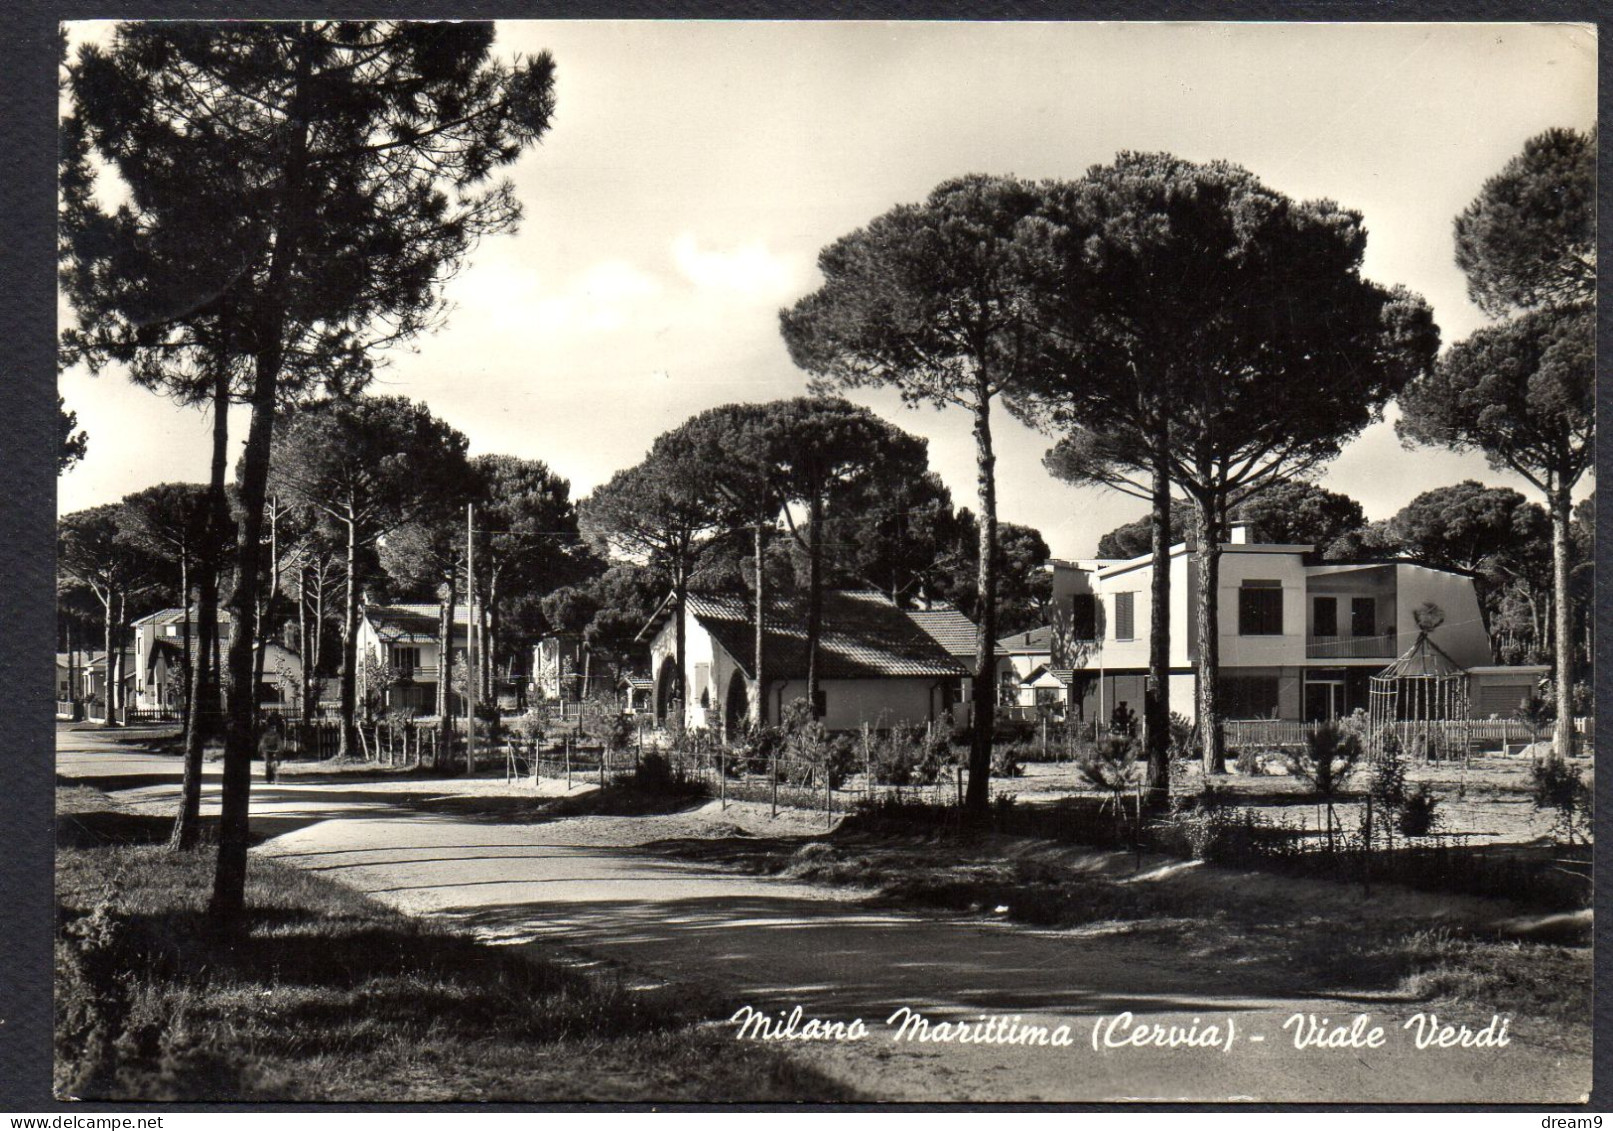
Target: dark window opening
[[1083, 617], [1249, 696], [1325, 616], [1260, 609], [1364, 616]]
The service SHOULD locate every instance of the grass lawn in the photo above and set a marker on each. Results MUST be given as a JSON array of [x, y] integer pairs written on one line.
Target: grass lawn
[[328, 996]]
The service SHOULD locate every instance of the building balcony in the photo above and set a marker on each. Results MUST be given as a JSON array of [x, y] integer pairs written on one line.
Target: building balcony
[[1351, 647]]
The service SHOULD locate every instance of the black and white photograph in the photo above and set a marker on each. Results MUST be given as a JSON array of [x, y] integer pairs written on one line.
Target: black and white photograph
[[784, 562]]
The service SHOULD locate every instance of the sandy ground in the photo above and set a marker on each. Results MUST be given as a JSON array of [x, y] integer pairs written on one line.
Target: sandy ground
[[593, 886]]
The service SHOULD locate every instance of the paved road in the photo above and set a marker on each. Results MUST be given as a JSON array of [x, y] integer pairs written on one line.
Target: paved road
[[597, 884]]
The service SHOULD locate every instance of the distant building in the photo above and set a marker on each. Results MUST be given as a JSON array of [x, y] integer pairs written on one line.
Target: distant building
[[158, 666], [879, 664], [1299, 638]]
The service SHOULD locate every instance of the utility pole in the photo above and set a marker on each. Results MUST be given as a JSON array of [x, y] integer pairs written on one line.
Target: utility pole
[[470, 638]]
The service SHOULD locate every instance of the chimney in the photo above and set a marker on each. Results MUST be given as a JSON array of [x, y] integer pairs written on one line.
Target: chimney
[[1240, 534]]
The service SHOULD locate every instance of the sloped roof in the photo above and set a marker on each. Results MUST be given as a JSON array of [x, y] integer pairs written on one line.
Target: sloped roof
[[1065, 677], [637, 681], [948, 627], [412, 621], [1028, 643], [864, 635], [174, 615]]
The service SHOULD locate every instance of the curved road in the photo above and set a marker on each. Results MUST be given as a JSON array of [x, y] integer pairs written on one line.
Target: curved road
[[591, 884]]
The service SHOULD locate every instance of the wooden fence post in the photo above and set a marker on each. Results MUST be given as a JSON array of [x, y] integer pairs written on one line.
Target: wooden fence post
[[868, 766], [568, 763], [722, 783], [773, 773]]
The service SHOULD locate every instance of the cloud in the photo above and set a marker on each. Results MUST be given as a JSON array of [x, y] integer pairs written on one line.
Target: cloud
[[747, 270], [510, 298], [602, 298]]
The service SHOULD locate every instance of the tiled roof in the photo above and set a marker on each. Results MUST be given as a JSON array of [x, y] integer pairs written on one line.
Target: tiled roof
[[175, 615], [864, 636], [1024, 643], [412, 620], [1065, 676], [638, 681], [949, 628]]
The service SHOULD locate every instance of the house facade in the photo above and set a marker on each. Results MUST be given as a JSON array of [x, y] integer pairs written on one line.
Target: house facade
[[1300, 639], [877, 664], [158, 667], [404, 641]]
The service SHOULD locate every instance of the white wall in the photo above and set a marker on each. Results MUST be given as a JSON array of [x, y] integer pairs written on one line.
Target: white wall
[[1238, 565], [878, 702], [1462, 636]]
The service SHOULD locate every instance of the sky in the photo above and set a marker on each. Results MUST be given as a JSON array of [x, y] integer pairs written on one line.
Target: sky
[[695, 168]]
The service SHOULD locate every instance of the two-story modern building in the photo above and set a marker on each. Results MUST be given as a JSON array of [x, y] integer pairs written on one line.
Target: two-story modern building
[[1299, 638]]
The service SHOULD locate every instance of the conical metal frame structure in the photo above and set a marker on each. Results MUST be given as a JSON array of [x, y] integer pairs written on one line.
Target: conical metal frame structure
[[1420, 701]]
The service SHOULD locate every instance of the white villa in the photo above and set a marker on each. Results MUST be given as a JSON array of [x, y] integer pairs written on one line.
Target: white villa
[[1300, 638], [879, 664]]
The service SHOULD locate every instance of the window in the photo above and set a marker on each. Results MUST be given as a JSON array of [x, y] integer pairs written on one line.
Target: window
[[1008, 688], [1325, 616], [1260, 608], [1363, 616], [1083, 617], [405, 659], [1125, 616], [1249, 696]]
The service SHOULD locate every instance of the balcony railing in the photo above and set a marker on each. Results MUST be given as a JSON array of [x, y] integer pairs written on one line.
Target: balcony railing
[[1350, 647]]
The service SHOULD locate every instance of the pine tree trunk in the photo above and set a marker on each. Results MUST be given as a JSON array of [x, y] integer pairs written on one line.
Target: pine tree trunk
[[1562, 614], [761, 622], [680, 637], [108, 603], [203, 688], [445, 670], [228, 902], [1212, 736], [306, 691], [184, 635], [814, 592], [984, 693], [1156, 696], [229, 883], [348, 746]]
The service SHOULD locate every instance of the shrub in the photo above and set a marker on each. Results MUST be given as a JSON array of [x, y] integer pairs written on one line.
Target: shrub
[[1328, 761], [842, 757], [654, 771], [1184, 745], [530, 728], [1113, 769], [1561, 787], [1537, 713], [754, 751], [1249, 761], [1123, 720], [1416, 811], [1388, 786], [1008, 761]]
